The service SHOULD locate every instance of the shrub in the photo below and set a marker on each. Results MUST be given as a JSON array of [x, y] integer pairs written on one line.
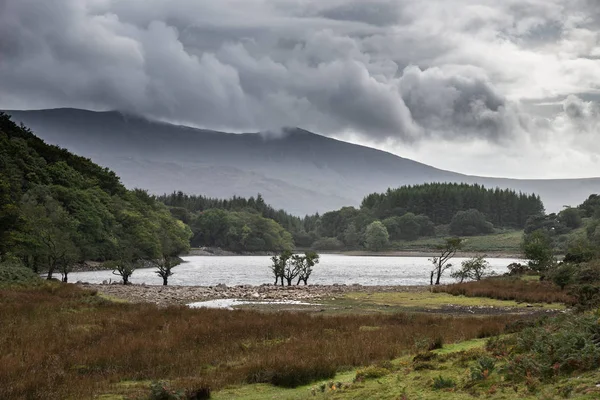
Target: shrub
[[470, 223], [371, 372], [161, 391], [562, 275], [291, 376], [483, 368], [12, 272], [443, 383]]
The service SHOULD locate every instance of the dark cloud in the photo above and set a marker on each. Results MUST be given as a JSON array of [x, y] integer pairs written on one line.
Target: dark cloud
[[386, 69]]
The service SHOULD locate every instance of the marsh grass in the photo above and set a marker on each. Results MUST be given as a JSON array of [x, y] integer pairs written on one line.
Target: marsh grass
[[59, 341], [510, 289]]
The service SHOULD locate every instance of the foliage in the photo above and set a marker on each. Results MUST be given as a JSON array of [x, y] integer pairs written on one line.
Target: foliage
[[562, 274], [441, 201], [376, 236], [591, 206], [327, 243], [483, 368], [57, 208], [288, 266], [537, 248], [470, 223], [570, 217], [563, 345], [13, 272], [474, 268], [441, 382], [441, 262], [409, 226], [239, 231]]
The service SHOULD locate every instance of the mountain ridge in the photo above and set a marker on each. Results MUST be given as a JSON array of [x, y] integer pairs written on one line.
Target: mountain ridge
[[301, 171]]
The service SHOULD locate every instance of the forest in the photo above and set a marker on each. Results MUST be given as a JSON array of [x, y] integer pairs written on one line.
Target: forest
[[58, 209], [406, 213]]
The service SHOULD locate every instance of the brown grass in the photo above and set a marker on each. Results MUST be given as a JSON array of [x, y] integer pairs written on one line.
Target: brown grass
[[59, 341], [510, 289]]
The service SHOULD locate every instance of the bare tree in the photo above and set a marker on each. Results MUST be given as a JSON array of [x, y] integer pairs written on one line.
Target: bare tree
[[441, 262]]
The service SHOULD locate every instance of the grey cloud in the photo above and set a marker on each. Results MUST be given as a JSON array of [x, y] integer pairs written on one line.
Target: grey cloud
[[383, 69]]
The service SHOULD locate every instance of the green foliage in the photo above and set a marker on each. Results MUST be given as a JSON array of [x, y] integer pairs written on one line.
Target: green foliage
[[470, 223], [376, 236], [440, 382], [239, 231], [409, 226], [570, 217], [483, 368], [563, 345], [591, 206], [441, 201], [13, 272], [327, 243], [562, 274], [57, 208], [537, 248], [161, 391], [474, 268]]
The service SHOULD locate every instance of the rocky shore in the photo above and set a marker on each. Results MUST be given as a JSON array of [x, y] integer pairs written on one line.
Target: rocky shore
[[170, 295]]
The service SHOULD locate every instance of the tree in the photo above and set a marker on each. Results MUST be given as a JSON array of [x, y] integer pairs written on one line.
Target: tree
[[377, 236], [174, 239], [351, 236], [562, 275], [474, 268], [469, 223], [49, 233], [441, 263], [279, 265], [309, 260], [570, 217], [537, 248]]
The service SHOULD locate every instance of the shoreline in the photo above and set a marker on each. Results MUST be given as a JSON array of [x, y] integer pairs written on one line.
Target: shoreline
[[182, 295]]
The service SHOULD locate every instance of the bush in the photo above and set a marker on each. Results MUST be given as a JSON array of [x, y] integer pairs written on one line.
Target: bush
[[443, 383], [12, 272], [291, 376], [483, 368], [562, 275], [371, 372]]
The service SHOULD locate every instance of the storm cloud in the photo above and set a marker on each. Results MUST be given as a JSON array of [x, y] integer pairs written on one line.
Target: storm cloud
[[386, 70]]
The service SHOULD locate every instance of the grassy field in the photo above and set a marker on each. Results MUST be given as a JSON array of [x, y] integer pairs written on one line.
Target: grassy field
[[505, 242], [62, 342]]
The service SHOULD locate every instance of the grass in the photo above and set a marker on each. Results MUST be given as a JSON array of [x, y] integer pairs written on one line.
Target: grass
[[503, 242], [60, 341], [430, 300], [509, 289], [406, 381]]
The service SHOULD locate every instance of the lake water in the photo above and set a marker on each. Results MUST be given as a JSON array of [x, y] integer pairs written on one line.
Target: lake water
[[254, 270]]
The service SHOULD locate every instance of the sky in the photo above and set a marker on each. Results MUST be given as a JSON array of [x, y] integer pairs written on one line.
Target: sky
[[485, 87]]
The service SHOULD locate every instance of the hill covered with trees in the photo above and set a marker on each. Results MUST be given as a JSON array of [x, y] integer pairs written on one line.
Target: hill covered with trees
[[58, 209]]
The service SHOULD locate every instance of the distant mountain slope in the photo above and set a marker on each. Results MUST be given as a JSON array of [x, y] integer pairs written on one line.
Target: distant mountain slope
[[300, 171]]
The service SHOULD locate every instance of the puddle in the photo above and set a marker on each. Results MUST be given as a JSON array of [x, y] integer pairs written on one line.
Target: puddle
[[228, 304]]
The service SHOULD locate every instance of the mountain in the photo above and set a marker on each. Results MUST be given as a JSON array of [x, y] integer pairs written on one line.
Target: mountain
[[299, 171]]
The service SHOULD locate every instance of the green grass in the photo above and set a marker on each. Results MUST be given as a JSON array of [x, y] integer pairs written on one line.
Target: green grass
[[508, 242]]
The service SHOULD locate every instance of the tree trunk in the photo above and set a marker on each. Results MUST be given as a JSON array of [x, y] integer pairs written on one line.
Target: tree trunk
[[125, 280], [305, 281], [289, 281], [65, 278], [431, 279], [282, 284], [165, 279], [439, 275]]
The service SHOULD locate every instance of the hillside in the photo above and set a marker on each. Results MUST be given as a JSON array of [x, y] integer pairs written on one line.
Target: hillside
[[300, 171], [58, 209]]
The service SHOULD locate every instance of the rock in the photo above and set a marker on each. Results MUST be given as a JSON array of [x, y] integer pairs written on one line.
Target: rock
[[255, 295]]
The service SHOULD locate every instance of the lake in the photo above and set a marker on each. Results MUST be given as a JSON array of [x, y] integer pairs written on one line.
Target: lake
[[254, 270]]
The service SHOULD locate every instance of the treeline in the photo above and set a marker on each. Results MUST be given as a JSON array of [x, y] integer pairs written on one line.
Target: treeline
[[441, 201], [58, 209], [407, 213]]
